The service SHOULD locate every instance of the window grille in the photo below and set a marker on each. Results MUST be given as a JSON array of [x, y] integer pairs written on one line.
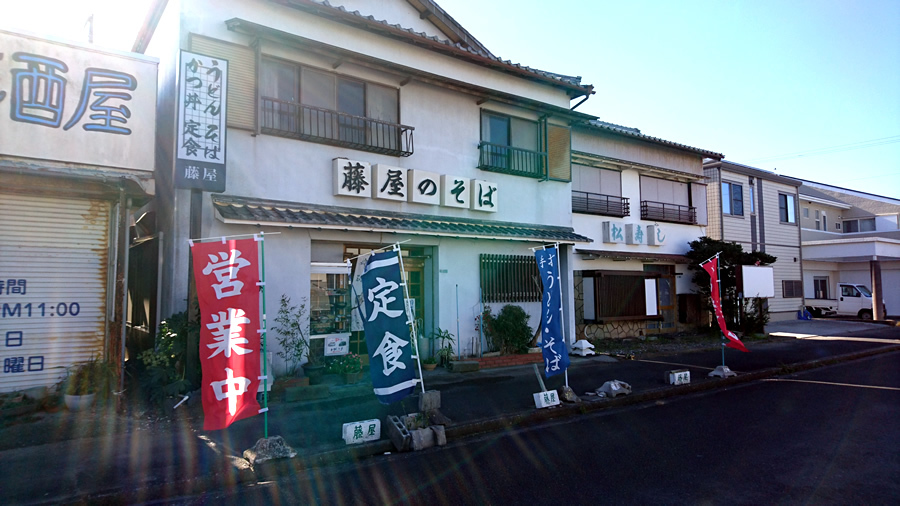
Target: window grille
[[510, 278]]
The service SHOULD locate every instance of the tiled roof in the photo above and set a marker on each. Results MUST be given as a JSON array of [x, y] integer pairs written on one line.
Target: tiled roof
[[270, 212], [812, 192], [341, 14], [634, 132]]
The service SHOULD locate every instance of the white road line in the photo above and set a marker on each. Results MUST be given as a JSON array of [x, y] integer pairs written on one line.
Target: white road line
[[835, 384]]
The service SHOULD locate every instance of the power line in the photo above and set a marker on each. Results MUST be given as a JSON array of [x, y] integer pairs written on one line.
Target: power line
[[830, 150]]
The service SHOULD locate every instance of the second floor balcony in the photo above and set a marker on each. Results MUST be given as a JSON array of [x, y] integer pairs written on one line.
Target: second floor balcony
[[596, 203], [673, 213], [510, 160], [314, 124]]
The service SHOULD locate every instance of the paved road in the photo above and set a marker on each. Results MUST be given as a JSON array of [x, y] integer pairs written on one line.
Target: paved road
[[828, 436]]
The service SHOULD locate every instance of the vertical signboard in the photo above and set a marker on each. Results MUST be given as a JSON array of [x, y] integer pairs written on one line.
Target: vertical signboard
[[387, 329], [227, 274], [553, 343], [200, 133]]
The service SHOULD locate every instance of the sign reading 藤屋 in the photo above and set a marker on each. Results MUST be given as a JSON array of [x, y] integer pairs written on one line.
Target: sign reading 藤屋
[[226, 276], [62, 101], [387, 328], [553, 343], [354, 178], [200, 132]]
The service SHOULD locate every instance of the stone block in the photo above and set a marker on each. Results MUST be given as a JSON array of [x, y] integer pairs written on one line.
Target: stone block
[[36, 393], [567, 394], [310, 393], [422, 438], [429, 400], [268, 449], [440, 435], [398, 433], [464, 366]]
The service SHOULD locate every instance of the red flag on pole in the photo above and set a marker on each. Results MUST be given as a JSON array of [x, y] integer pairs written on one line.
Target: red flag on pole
[[711, 266], [226, 274]]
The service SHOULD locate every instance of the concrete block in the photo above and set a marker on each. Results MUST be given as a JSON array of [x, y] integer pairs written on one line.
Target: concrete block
[[310, 393], [440, 435], [463, 366], [614, 388], [362, 432], [422, 438], [398, 433], [429, 400], [414, 421]]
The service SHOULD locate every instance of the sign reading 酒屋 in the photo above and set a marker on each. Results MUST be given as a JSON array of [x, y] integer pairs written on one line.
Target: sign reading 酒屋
[[711, 266], [387, 329], [226, 276], [553, 343], [353, 178], [200, 133], [57, 98]]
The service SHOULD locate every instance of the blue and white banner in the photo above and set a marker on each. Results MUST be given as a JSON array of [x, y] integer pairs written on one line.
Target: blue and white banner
[[387, 329], [553, 343]]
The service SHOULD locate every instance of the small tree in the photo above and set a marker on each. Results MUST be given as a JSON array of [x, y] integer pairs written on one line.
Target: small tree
[[731, 257], [509, 329], [291, 335]]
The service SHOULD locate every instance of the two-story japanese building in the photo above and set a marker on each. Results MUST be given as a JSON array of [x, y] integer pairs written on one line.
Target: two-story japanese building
[[77, 127], [642, 200], [349, 130]]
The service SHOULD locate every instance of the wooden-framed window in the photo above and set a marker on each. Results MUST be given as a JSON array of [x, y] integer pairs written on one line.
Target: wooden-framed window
[[320, 106], [620, 295]]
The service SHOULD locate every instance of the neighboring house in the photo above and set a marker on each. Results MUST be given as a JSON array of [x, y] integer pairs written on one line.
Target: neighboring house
[[642, 200], [77, 126], [352, 130], [850, 237], [758, 210]]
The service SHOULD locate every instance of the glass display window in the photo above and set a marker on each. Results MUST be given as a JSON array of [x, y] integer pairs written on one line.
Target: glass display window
[[329, 299]]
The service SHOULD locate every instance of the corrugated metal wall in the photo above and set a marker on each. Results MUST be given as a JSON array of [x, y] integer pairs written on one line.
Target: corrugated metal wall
[[53, 270]]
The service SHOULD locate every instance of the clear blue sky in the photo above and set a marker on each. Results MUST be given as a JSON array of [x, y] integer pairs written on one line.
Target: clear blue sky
[[750, 79], [753, 79]]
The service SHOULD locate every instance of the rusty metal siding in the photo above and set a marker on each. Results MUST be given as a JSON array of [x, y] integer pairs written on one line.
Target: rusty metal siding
[[60, 247]]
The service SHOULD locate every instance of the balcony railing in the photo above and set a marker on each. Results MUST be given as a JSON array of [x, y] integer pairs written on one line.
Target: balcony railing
[[596, 203], [290, 119], [510, 160], [674, 213]]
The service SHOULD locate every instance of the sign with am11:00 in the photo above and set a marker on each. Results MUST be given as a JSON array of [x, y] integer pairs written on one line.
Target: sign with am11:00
[[42, 310]]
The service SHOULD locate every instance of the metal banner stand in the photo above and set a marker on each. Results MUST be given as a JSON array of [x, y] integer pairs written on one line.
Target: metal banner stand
[[410, 318], [721, 371]]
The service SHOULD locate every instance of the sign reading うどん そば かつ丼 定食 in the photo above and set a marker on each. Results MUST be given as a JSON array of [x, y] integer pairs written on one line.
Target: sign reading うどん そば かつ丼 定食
[[353, 178]]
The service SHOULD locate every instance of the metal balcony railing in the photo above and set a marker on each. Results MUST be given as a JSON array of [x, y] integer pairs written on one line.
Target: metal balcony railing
[[596, 203], [298, 121], [510, 160], [674, 213]]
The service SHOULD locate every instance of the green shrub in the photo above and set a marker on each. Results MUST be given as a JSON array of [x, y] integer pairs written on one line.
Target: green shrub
[[509, 329], [164, 375]]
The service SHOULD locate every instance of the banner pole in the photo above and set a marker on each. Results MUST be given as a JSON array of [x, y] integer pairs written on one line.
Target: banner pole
[[559, 285], [719, 289], [262, 270], [410, 318]]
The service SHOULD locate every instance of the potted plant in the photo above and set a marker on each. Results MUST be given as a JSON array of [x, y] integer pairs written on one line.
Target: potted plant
[[429, 363], [444, 352], [290, 325], [350, 368], [85, 381]]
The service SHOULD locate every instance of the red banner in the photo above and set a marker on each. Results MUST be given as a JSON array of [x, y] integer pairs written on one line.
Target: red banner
[[712, 268], [226, 276]]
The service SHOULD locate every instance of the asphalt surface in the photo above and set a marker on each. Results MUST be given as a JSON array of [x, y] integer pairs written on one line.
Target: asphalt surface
[[121, 461], [825, 436]]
